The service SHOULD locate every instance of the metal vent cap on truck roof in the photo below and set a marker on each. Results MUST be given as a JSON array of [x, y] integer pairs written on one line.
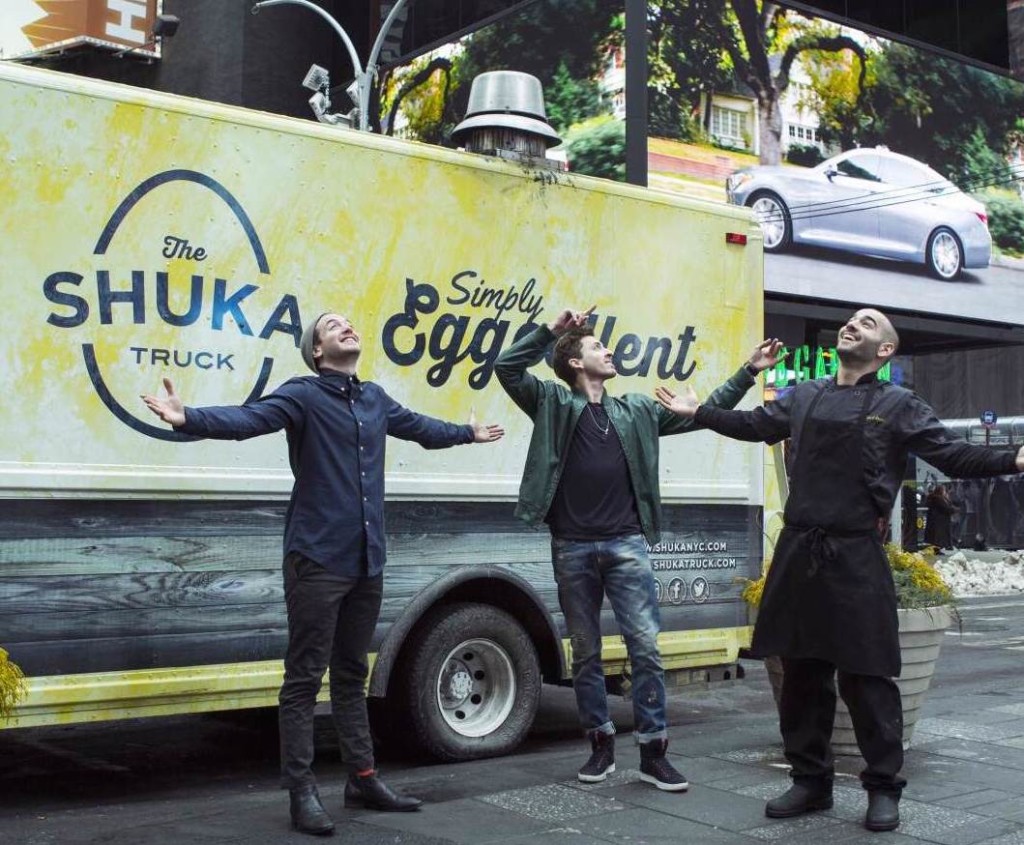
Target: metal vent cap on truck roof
[[506, 99]]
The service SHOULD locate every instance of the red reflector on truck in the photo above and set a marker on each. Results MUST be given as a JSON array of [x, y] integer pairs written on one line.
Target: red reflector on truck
[[735, 238]]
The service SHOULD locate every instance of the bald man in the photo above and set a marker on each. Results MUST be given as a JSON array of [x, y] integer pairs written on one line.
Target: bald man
[[829, 602]]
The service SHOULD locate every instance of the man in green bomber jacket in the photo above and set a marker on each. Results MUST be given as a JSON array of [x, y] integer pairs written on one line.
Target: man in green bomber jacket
[[592, 475]]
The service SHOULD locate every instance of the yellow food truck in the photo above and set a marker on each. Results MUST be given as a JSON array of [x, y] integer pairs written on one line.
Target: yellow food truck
[[148, 235]]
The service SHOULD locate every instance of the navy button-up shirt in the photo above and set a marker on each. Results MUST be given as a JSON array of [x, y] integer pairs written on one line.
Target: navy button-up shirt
[[337, 428]]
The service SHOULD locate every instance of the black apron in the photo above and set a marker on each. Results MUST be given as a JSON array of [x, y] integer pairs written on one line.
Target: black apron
[[830, 593]]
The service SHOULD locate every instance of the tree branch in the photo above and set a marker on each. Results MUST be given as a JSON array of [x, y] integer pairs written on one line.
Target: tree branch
[[756, 71], [421, 76], [826, 43]]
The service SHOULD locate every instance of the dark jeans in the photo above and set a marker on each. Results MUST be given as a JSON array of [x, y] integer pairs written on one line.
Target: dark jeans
[[807, 711], [331, 620], [585, 573]]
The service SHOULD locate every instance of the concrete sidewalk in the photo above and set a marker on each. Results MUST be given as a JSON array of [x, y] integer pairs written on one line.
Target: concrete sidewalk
[[966, 774], [213, 779]]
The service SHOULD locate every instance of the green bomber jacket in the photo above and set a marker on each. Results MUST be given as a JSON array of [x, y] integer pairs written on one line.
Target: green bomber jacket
[[555, 409]]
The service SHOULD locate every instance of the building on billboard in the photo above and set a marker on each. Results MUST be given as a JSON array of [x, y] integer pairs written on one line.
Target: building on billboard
[[733, 119], [613, 81], [37, 28]]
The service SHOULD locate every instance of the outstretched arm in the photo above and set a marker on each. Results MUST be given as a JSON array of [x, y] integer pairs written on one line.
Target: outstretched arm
[[228, 422], [432, 433], [674, 419], [928, 438], [512, 364]]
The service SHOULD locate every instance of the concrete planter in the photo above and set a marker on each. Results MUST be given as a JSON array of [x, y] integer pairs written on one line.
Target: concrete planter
[[921, 633]]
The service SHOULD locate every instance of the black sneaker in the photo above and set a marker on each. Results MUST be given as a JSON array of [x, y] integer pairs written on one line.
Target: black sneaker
[[602, 758], [655, 767]]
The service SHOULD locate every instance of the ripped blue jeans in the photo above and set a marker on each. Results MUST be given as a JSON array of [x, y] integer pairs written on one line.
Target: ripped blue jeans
[[619, 568]]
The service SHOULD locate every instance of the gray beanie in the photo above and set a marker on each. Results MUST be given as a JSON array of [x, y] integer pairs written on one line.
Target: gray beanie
[[306, 343]]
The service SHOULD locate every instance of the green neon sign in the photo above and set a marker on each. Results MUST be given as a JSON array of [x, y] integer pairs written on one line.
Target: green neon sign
[[801, 363]]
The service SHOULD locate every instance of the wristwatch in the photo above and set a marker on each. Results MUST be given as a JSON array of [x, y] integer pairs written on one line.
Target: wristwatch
[[751, 371]]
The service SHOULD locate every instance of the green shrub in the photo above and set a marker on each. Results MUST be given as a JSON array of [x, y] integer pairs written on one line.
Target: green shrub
[[806, 154], [1005, 219], [600, 151]]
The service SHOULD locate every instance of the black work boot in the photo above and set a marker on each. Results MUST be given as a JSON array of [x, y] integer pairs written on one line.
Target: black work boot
[[371, 792], [602, 758], [655, 767], [801, 797], [883, 811], [308, 814]]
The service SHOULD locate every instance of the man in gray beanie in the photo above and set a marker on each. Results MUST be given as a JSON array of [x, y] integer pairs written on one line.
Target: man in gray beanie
[[334, 551]]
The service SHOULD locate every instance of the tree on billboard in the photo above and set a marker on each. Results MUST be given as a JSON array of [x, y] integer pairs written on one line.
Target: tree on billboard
[[957, 118], [764, 29], [687, 63], [562, 42], [754, 40]]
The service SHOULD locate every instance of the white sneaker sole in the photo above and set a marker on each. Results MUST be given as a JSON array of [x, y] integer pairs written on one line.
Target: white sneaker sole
[[666, 787], [596, 778]]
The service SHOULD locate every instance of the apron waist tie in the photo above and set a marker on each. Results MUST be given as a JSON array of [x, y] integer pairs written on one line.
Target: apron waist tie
[[822, 549]]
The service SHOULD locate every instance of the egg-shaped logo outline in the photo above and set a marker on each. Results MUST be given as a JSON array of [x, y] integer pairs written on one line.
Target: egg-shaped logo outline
[[107, 235]]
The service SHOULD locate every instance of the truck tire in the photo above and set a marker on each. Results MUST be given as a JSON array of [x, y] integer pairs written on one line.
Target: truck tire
[[473, 684]]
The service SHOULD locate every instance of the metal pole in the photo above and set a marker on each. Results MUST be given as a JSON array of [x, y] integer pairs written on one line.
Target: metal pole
[[636, 92], [356, 65]]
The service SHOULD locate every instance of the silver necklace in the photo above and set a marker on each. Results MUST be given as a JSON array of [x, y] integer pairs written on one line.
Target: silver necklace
[[604, 429]]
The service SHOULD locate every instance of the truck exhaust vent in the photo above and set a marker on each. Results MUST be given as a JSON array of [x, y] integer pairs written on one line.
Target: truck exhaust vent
[[506, 118]]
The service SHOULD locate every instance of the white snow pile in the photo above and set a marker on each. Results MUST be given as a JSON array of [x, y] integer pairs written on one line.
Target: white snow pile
[[973, 577]]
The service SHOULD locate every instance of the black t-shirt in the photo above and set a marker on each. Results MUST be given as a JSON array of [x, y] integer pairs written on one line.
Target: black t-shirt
[[595, 499]]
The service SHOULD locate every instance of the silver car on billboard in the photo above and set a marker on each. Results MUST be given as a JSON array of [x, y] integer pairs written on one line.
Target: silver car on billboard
[[870, 201]]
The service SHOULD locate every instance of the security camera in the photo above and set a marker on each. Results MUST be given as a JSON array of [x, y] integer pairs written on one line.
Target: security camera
[[317, 79]]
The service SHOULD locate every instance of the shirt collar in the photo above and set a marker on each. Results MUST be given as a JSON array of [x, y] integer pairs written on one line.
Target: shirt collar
[[343, 381]]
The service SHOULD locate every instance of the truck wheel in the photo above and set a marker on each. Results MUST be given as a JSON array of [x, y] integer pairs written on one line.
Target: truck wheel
[[473, 684]]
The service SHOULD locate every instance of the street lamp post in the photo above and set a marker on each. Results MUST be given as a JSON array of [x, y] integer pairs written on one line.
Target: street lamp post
[[364, 76]]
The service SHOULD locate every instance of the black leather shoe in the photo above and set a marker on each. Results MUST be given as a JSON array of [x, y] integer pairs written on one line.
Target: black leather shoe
[[371, 792], [308, 814], [798, 799], [883, 811]]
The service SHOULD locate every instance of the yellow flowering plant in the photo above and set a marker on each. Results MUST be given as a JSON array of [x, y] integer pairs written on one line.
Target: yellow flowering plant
[[917, 582], [12, 684]]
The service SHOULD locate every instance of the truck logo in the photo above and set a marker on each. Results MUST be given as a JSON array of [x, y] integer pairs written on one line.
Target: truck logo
[[146, 289]]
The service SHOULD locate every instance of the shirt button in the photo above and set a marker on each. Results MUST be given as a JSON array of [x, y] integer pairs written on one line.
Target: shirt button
[[362, 448], [367, 522], [363, 472]]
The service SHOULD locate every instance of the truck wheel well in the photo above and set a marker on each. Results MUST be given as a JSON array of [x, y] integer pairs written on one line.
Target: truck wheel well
[[506, 596]]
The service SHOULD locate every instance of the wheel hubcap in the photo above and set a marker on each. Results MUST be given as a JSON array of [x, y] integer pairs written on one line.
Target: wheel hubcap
[[476, 687], [945, 254], [773, 222]]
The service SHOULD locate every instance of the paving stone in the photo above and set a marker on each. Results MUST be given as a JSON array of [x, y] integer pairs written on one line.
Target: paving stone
[[977, 799], [567, 835], [642, 827], [981, 752], [1012, 808], [1016, 709], [1014, 838], [465, 821], [553, 802], [814, 826], [708, 806], [932, 822], [763, 755], [965, 730]]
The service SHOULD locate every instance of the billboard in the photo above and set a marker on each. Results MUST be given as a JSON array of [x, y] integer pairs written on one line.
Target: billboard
[[882, 174], [30, 28]]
